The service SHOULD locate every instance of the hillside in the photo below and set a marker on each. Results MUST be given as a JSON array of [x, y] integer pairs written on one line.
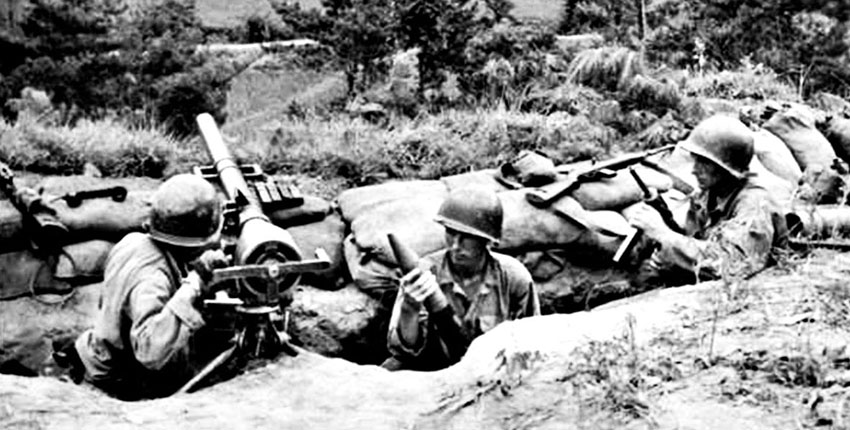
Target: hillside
[[770, 353]]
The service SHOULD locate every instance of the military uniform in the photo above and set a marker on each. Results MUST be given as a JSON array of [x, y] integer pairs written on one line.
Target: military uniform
[[735, 234], [503, 291], [140, 344]]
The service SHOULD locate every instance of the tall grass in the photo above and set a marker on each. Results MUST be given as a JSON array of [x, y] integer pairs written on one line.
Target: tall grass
[[334, 147], [609, 67], [109, 145]]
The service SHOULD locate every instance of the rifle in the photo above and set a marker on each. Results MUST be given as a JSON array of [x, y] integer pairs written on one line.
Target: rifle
[[654, 201], [266, 260], [604, 169], [46, 232], [798, 244]]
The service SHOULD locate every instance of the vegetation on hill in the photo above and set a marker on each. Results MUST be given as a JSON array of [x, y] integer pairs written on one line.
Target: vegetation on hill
[[479, 86]]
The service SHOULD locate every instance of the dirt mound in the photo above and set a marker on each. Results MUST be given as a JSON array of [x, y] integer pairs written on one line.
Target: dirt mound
[[766, 353]]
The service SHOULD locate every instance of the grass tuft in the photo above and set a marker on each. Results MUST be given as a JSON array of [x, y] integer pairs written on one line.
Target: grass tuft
[[609, 68]]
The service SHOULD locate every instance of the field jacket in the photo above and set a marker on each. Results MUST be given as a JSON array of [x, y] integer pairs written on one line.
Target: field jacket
[[732, 235], [505, 292], [139, 345]]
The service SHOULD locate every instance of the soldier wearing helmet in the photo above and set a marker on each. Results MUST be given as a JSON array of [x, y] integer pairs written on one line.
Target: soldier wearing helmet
[[733, 228], [459, 292], [140, 345]]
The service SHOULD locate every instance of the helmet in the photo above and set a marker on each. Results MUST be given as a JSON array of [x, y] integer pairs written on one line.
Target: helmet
[[724, 140], [186, 213], [473, 210]]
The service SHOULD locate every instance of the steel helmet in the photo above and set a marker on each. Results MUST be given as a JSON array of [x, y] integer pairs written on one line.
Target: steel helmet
[[724, 140], [475, 211], [186, 212]]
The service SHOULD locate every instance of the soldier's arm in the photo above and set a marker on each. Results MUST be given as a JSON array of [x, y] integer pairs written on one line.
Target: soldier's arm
[[739, 246], [523, 293], [162, 324], [408, 328]]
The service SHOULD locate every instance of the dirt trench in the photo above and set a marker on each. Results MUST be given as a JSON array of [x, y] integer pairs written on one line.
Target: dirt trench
[[769, 353]]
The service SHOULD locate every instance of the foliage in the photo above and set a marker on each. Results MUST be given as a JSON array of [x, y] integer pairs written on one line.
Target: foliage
[[797, 40], [93, 60], [507, 60], [804, 42], [108, 144], [609, 68], [616, 20], [747, 82], [441, 29]]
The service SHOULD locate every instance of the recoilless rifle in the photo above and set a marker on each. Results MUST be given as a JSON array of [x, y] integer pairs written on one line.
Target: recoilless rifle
[[266, 259]]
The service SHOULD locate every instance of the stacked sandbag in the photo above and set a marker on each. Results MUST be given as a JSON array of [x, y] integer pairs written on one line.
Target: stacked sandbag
[[837, 131], [796, 127], [328, 235], [620, 191], [525, 225], [823, 185], [775, 156], [406, 209], [781, 190]]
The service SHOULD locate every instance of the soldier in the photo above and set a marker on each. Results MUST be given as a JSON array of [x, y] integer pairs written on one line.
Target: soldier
[[460, 292], [140, 344], [734, 227]]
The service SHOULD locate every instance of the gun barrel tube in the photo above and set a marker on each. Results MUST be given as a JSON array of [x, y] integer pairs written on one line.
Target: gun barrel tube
[[228, 170], [260, 241]]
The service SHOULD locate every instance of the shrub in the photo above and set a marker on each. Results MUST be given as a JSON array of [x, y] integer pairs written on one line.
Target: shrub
[[608, 68]]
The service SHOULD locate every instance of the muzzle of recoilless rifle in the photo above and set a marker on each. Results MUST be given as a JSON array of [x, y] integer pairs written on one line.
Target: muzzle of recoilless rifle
[[259, 241]]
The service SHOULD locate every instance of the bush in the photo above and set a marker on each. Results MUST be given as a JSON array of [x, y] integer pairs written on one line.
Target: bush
[[93, 61], [608, 68]]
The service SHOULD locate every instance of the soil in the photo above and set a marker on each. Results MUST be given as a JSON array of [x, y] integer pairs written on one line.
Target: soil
[[768, 353]]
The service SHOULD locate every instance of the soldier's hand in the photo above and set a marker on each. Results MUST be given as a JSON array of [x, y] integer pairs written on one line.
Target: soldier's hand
[[206, 263], [421, 288], [649, 220]]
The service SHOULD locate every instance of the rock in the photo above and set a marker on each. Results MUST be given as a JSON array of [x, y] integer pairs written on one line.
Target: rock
[[341, 323], [29, 326]]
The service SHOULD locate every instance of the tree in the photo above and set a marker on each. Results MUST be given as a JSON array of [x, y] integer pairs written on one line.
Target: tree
[[441, 29]]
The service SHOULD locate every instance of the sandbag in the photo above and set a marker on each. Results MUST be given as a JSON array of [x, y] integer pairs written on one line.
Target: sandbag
[[796, 127], [313, 209], [775, 156], [12, 237], [780, 189], [83, 262], [104, 218], [838, 133], [822, 186], [354, 202], [327, 234], [367, 272], [410, 216], [22, 273], [487, 178], [525, 226], [617, 192]]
